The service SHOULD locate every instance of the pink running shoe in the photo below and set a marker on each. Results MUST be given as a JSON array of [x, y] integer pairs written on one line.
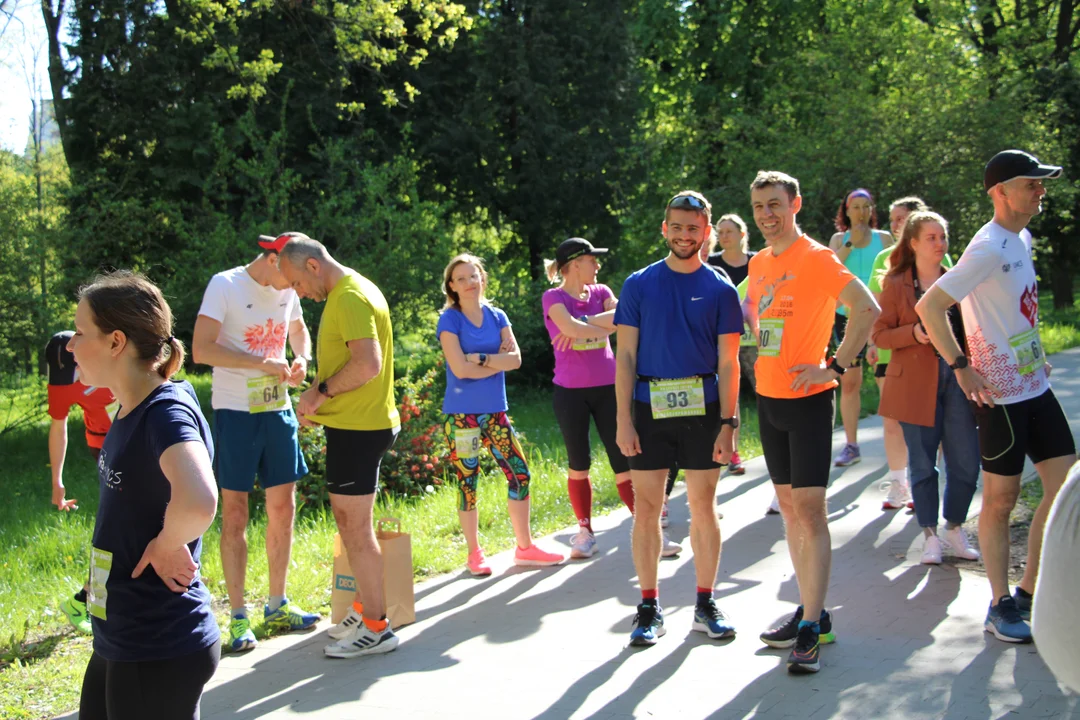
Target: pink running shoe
[[478, 564], [736, 466], [533, 556]]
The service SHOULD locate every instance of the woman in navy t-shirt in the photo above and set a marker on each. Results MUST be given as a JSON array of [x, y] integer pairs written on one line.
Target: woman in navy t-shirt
[[156, 642], [480, 347]]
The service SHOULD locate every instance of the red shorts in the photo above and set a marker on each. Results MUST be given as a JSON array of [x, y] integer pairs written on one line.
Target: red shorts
[[96, 419]]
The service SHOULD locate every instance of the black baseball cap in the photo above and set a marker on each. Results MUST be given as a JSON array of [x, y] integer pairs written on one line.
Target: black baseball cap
[[575, 248], [1010, 164]]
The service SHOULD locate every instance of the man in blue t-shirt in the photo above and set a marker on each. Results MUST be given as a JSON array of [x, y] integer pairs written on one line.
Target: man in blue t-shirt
[[676, 402]]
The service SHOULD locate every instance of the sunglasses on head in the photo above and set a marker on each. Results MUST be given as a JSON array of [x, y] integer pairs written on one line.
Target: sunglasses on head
[[686, 202]]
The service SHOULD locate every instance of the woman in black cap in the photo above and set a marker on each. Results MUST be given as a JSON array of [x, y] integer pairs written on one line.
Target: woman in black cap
[[579, 316]]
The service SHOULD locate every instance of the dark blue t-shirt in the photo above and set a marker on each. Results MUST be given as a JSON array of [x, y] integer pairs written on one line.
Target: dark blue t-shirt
[[678, 317], [486, 395], [145, 620]]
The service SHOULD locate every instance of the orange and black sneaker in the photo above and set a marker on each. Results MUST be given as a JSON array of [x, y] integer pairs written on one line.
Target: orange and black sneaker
[[805, 656]]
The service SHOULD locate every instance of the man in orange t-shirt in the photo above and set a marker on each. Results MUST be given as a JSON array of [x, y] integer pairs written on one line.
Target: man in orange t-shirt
[[790, 301]]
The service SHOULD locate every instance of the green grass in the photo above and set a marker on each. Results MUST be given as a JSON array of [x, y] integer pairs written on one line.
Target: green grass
[[43, 553]]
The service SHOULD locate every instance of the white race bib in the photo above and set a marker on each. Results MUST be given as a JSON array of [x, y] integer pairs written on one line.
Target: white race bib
[[467, 442], [1027, 347], [684, 397], [265, 394], [98, 595], [590, 344], [770, 335]]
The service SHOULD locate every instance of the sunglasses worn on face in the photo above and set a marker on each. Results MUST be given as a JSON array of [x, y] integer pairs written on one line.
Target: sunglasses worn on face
[[686, 202]]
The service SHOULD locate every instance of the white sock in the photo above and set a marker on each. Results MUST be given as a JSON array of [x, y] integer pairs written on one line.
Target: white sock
[[898, 475], [238, 613]]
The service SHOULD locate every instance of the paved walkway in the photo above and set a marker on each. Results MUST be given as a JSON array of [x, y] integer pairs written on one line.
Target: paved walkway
[[552, 643]]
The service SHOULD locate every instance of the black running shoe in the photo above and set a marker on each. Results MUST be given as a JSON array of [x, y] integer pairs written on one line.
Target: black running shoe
[[783, 636], [648, 625], [805, 656]]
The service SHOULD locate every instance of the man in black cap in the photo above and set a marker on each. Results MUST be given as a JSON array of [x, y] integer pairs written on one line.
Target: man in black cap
[[1006, 375]]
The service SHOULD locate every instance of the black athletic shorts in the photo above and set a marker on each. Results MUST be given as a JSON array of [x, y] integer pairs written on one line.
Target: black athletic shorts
[[838, 330], [353, 458], [573, 408], [687, 441], [879, 370], [1036, 428], [796, 437]]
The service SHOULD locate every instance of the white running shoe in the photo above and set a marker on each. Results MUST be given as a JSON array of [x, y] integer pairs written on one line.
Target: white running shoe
[[931, 553], [774, 506], [899, 495], [347, 624], [669, 548], [957, 541], [362, 640], [664, 522], [583, 545]]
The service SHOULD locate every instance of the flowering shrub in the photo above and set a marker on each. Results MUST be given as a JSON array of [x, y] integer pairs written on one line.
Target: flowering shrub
[[418, 460]]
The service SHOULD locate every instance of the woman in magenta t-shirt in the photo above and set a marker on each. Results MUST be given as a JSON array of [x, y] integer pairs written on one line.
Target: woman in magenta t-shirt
[[579, 316]]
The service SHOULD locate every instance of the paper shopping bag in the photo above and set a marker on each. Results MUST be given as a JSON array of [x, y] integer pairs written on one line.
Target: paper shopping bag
[[396, 549]]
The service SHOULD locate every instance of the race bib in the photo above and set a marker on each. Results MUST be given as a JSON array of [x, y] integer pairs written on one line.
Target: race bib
[[266, 393], [684, 397], [590, 344], [747, 338], [1027, 347], [467, 442], [98, 595], [770, 334]]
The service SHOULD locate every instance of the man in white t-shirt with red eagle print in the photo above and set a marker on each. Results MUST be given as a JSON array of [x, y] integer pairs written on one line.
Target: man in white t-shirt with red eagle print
[[1005, 375], [247, 314]]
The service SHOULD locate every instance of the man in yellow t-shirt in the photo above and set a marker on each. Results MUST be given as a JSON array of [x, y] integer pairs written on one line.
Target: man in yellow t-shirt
[[354, 402]]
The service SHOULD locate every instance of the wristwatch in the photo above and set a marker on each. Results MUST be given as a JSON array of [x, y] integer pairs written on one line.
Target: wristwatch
[[324, 390], [961, 363], [483, 358], [585, 319], [732, 421], [836, 368]]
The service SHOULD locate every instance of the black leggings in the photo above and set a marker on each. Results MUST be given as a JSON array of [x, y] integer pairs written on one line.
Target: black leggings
[[573, 407], [160, 689]]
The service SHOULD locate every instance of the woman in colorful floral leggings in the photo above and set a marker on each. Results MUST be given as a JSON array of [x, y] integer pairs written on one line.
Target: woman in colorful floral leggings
[[479, 346]]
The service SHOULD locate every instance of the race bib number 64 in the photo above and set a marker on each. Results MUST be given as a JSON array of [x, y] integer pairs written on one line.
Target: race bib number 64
[[265, 394]]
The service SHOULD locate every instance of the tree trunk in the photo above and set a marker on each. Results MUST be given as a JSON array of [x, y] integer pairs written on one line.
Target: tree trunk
[[1061, 285]]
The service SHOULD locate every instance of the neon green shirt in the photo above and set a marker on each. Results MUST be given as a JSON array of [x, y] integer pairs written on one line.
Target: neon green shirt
[[747, 339], [877, 273], [357, 310]]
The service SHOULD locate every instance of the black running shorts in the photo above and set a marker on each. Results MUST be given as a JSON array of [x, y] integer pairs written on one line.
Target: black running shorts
[[839, 328], [1036, 428], [687, 441], [879, 370], [353, 458], [573, 408], [796, 437]]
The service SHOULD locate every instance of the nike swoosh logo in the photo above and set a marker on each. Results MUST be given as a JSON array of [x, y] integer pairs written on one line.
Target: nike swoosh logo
[[696, 298]]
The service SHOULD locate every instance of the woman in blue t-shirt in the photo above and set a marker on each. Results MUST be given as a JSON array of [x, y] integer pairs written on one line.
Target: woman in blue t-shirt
[[156, 642], [480, 347]]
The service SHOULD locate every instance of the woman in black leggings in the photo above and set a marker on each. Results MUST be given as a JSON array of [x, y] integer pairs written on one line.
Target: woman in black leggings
[[156, 642]]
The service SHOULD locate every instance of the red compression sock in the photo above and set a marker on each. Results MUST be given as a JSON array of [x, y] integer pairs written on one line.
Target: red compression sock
[[581, 500], [626, 492]]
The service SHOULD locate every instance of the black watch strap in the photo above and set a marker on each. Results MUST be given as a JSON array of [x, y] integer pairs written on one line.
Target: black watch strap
[[324, 390], [960, 364], [732, 421], [836, 367]]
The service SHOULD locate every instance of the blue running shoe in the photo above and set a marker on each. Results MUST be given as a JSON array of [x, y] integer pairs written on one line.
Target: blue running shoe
[[289, 617], [1023, 602], [711, 620], [1004, 621], [806, 655], [650, 625], [240, 636]]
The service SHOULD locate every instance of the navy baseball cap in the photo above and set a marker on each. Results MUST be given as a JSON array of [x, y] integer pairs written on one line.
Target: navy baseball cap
[[575, 248]]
